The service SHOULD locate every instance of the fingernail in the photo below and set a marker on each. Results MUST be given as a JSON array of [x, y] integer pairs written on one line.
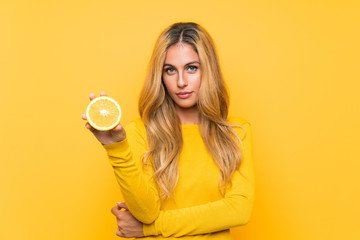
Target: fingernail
[[119, 202]]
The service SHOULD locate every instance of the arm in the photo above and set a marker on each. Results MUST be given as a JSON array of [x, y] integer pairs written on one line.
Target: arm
[[232, 210], [137, 187]]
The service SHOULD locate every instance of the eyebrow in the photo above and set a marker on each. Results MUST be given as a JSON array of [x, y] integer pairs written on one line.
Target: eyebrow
[[166, 64]]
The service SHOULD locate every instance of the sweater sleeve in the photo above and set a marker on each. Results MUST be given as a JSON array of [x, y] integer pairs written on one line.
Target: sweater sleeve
[[234, 209], [137, 186]]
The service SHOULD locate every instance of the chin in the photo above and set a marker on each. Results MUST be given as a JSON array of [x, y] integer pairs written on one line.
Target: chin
[[186, 106]]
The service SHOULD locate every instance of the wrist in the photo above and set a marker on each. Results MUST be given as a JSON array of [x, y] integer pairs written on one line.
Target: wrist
[[110, 142]]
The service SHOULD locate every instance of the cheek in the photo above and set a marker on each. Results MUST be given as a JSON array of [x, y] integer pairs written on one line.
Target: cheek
[[196, 81], [199, 82], [167, 83]]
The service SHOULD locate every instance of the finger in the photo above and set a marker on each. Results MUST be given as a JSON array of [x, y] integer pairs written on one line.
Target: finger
[[122, 205], [115, 211], [88, 126], [119, 223], [83, 116], [117, 128], [102, 93], [120, 233], [92, 96]]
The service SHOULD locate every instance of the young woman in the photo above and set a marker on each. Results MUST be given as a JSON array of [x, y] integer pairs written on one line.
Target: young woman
[[184, 168]]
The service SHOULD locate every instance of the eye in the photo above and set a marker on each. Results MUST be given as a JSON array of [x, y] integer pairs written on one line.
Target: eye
[[192, 68], [169, 70]]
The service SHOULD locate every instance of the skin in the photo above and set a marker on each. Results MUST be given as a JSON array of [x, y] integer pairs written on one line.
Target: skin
[[128, 226], [182, 80], [182, 74], [114, 135]]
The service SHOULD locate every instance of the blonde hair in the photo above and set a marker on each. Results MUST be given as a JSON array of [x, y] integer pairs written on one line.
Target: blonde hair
[[162, 124]]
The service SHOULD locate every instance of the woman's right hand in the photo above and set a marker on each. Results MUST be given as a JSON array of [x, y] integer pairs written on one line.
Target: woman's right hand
[[117, 134]]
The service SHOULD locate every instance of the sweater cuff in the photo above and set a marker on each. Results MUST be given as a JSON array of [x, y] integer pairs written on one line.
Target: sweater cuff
[[150, 230], [153, 229], [118, 152]]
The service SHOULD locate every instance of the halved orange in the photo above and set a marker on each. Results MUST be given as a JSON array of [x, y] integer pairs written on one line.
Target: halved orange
[[103, 113]]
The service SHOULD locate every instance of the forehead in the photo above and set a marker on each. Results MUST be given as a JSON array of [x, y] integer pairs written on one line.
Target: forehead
[[181, 54]]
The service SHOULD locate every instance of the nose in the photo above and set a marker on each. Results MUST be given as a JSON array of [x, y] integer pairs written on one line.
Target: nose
[[182, 80]]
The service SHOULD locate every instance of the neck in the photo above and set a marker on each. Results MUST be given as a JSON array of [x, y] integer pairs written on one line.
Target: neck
[[188, 115]]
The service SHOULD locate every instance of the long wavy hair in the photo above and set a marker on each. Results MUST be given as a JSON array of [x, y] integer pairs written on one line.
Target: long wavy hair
[[162, 124]]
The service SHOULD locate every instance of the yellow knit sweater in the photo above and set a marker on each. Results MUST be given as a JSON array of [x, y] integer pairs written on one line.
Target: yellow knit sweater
[[197, 211]]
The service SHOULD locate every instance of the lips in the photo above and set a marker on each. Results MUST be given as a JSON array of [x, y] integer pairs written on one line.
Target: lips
[[184, 95]]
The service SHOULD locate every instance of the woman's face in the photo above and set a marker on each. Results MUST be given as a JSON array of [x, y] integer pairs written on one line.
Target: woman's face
[[182, 76]]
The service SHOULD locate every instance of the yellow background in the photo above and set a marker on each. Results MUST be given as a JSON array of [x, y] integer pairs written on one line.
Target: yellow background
[[293, 71]]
